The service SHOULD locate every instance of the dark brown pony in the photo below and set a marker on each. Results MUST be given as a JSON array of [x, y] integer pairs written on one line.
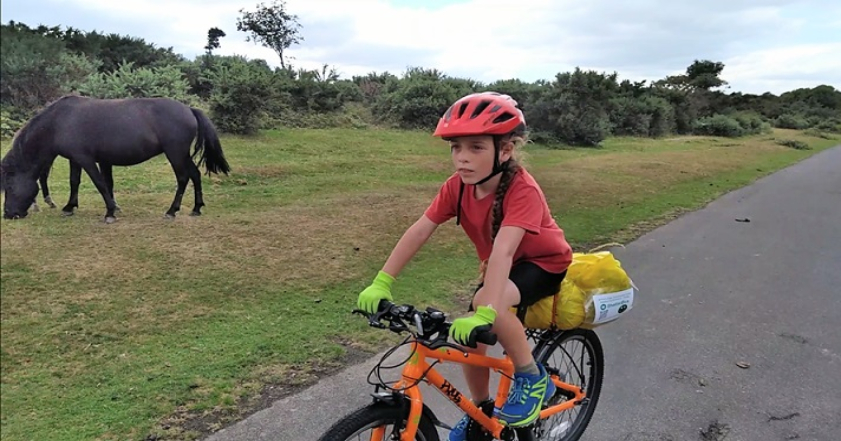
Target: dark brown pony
[[109, 132]]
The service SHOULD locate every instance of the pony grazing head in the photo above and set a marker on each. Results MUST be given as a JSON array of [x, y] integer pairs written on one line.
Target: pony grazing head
[[20, 189]]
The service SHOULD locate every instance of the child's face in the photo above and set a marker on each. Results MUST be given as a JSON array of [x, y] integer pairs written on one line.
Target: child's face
[[473, 157]]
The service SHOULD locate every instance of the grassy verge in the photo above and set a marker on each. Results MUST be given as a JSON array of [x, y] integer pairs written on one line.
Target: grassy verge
[[174, 328]]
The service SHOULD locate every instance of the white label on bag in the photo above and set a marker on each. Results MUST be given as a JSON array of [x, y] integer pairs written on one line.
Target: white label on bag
[[610, 306]]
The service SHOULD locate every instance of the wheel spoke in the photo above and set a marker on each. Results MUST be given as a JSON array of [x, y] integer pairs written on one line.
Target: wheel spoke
[[577, 356]]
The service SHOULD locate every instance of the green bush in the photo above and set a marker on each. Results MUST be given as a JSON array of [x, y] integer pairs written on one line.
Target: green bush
[[829, 125], [791, 121], [752, 123], [559, 119], [418, 100], [573, 108], [10, 122], [524, 93], [320, 91], [128, 82], [35, 70], [241, 93], [817, 133], [641, 116], [795, 144], [719, 125]]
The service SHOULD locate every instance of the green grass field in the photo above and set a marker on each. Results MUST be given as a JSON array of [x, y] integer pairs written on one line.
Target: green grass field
[[173, 328]]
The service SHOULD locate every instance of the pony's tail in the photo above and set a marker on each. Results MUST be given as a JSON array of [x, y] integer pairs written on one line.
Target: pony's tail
[[207, 143]]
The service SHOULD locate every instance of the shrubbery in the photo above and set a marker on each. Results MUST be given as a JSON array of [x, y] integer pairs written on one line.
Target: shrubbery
[[128, 82], [243, 96], [719, 125], [791, 121]]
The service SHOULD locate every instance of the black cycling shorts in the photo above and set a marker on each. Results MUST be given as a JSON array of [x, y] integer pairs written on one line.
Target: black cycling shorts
[[533, 282]]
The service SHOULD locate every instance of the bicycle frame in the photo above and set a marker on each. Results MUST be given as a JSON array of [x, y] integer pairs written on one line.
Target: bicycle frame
[[418, 365]]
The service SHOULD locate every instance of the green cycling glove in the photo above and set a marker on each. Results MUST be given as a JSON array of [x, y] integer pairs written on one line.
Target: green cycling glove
[[369, 299], [464, 329]]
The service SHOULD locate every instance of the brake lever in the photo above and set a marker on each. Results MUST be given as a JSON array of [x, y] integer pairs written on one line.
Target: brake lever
[[442, 343], [373, 319]]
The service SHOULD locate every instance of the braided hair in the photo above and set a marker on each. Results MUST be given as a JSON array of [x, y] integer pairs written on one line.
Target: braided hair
[[509, 170]]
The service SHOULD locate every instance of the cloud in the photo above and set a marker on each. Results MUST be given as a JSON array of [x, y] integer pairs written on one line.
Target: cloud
[[786, 68], [528, 39]]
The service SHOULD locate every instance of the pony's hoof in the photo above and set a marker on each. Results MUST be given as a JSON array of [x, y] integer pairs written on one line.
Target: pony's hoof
[[169, 216], [67, 213], [195, 213], [110, 219], [50, 202], [117, 209], [35, 208]]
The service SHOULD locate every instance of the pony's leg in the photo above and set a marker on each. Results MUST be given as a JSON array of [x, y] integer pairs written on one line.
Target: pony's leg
[[195, 176], [45, 189], [108, 174], [182, 175], [93, 172], [75, 179]]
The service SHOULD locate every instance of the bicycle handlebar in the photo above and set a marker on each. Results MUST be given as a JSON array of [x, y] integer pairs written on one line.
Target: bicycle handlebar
[[427, 323]]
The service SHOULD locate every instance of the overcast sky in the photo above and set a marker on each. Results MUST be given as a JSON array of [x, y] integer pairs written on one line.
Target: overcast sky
[[766, 45]]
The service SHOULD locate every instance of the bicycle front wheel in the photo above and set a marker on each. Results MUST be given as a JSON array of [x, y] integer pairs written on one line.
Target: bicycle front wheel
[[376, 422], [578, 358]]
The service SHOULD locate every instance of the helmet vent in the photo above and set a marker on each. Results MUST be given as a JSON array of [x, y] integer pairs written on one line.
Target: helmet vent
[[504, 117], [461, 110], [449, 114], [481, 107]]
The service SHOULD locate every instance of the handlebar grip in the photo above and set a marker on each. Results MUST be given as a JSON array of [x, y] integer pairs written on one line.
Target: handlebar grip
[[487, 337]]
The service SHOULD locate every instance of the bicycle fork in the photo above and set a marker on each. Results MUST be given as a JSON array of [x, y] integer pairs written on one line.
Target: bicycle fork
[[417, 369]]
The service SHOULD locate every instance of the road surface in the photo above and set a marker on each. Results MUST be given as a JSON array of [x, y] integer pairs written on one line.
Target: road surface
[[714, 292]]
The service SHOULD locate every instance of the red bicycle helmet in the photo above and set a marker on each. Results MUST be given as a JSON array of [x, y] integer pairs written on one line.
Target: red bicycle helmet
[[484, 113]]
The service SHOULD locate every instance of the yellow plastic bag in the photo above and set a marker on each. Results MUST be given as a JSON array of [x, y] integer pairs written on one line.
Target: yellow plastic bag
[[564, 310], [595, 291]]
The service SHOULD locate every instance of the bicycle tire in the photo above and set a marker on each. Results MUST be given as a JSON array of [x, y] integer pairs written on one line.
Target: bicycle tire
[[374, 415], [593, 346]]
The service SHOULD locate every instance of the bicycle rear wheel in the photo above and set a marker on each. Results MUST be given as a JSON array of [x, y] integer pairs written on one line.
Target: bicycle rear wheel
[[578, 358], [376, 419]]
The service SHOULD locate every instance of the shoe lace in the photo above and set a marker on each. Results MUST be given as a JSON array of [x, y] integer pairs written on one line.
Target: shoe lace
[[519, 393]]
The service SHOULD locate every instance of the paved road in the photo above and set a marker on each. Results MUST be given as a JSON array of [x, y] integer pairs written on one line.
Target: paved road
[[714, 292]]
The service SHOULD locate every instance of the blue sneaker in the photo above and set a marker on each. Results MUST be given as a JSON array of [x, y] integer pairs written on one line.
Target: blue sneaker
[[459, 432], [526, 398]]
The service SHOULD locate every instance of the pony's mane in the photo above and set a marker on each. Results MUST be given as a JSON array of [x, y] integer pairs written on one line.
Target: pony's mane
[[17, 151]]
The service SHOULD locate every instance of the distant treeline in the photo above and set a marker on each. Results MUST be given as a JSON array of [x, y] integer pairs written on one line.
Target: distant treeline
[[243, 96]]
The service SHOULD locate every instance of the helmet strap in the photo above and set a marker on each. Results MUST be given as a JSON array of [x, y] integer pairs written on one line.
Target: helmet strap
[[498, 168]]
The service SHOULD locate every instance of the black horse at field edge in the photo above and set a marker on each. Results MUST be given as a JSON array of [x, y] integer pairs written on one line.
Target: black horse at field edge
[[109, 132]]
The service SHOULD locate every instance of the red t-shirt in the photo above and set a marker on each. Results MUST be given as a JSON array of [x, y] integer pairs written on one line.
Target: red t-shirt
[[524, 206]]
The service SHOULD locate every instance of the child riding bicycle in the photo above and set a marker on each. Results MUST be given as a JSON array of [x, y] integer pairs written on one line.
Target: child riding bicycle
[[524, 253]]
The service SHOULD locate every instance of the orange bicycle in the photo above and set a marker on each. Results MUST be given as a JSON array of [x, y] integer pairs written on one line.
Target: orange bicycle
[[399, 413]]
